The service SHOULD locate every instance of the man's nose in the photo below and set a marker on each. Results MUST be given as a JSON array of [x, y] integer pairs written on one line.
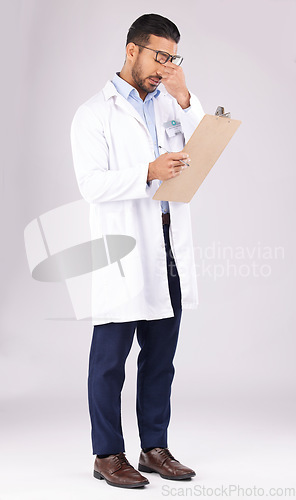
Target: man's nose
[[160, 69]]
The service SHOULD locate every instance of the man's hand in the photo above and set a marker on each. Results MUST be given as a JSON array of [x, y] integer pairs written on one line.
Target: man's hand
[[167, 166], [174, 81]]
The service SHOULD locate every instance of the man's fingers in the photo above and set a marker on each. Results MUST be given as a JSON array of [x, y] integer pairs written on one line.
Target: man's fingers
[[165, 75], [168, 70], [180, 164], [179, 156], [178, 170], [171, 65]]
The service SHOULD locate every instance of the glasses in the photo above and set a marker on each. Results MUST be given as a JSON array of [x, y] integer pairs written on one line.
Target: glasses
[[163, 57]]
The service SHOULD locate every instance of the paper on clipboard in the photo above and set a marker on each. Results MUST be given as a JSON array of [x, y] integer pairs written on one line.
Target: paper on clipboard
[[204, 147]]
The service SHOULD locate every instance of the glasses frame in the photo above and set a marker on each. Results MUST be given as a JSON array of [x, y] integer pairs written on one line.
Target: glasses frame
[[169, 56]]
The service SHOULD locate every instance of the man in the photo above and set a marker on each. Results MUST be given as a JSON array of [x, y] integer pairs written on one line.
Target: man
[[117, 137]]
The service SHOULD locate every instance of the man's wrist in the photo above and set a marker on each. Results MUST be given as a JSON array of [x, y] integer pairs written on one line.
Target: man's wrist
[[184, 101], [150, 176]]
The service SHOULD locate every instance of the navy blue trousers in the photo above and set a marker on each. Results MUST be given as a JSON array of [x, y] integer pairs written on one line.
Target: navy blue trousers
[[111, 344]]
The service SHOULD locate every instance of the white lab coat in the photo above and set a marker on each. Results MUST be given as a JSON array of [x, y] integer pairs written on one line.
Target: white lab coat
[[111, 149]]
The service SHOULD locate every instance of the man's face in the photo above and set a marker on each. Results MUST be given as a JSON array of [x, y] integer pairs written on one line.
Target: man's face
[[146, 71]]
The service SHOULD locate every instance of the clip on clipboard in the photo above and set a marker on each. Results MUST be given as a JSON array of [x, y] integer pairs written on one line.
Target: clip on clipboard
[[204, 147]]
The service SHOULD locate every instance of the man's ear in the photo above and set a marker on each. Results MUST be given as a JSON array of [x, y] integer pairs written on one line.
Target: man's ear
[[131, 51]]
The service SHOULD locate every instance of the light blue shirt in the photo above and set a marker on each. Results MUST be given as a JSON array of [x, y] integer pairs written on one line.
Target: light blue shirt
[[146, 111]]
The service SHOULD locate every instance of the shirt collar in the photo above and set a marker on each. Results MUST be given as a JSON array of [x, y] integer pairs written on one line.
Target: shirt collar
[[126, 90]]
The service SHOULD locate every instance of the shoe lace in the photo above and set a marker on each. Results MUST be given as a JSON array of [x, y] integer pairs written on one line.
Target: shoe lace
[[165, 452], [121, 461]]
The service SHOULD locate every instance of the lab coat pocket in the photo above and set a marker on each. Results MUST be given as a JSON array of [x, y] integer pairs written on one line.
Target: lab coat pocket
[[176, 143], [117, 285]]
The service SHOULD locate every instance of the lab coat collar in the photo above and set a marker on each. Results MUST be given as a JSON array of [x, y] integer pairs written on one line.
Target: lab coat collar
[[110, 91]]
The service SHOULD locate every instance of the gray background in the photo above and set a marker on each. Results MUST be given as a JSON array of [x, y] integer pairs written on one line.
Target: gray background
[[234, 392]]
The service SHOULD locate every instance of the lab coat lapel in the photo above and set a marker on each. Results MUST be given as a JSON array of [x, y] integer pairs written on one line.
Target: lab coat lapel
[[124, 104], [110, 91]]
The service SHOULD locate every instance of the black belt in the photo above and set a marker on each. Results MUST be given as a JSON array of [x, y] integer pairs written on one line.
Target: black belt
[[166, 218]]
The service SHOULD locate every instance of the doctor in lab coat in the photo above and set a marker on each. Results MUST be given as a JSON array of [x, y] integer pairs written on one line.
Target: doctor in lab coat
[[115, 139]]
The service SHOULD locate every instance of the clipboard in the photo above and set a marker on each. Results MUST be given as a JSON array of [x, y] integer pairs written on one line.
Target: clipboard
[[204, 147]]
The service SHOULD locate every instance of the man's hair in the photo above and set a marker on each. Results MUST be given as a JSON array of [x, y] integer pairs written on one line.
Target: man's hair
[[152, 24]]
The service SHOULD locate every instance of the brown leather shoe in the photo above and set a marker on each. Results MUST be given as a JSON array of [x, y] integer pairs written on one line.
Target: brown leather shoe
[[162, 461], [117, 471]]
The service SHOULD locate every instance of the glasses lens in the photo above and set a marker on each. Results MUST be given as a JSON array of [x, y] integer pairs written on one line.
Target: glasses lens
[[177, 60], [162, 57]]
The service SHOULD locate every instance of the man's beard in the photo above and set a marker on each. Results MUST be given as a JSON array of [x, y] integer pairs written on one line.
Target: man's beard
[[141, 83]]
